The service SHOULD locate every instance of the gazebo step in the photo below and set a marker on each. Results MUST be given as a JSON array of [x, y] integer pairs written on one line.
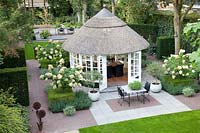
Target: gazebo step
[[109, 89]]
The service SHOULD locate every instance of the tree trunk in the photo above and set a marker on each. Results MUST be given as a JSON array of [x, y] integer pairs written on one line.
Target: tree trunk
[[78, 16], [177, 31], [24, 5], [45, 12], [32, 8], [113, 6], [84, 10], [101, 4]]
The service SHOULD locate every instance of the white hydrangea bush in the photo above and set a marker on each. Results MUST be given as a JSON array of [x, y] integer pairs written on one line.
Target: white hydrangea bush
[[63, 77], [179, 66], [52, 51]]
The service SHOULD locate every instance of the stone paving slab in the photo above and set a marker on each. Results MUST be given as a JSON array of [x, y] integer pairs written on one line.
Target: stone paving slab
[[103, 114]]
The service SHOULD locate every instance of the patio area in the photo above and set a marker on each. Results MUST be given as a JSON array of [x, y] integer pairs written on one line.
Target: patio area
[[106, 110]]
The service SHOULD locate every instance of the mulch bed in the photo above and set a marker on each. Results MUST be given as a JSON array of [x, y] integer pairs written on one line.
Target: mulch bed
[[115, 106]]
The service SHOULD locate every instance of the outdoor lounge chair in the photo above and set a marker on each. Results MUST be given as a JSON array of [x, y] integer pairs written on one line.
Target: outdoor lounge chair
[[122, 96]]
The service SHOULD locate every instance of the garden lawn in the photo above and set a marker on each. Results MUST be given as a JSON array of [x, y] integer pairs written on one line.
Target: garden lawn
[[29, 49], [184, 122]]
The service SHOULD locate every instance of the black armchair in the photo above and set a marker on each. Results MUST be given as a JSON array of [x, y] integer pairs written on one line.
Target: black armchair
[[147, 88], [122, 96]]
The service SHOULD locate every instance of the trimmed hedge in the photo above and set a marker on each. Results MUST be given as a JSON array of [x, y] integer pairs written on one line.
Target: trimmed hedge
[[165, 46], [16, 78], [59, 100], [175, 86], [11, 62], [146, 30]]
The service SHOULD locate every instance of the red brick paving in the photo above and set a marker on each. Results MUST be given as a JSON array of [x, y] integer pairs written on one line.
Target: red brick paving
[[115, 106], [53, 122], [191, 102]]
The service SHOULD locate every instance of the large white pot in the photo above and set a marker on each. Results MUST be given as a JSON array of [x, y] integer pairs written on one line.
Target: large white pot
[[94, 95], [156, 87]]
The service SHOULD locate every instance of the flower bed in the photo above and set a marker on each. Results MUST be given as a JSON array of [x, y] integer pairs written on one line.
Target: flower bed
[[51, 54]]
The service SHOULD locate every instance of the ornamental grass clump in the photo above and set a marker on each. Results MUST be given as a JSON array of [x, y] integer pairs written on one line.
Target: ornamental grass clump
[[69, 110], [179, 66], [62, 77], [188, 92], [136, 85]]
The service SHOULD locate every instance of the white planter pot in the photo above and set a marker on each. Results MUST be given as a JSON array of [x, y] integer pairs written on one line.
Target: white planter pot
[[156, 87], [94, 96]]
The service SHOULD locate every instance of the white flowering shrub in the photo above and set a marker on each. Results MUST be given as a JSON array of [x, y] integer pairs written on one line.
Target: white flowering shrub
[[179, 66], [63, 77], [52, 51]]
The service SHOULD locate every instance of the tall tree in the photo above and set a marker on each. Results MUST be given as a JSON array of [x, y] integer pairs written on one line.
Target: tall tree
[[84, 11], [178, 20], [113, 6]]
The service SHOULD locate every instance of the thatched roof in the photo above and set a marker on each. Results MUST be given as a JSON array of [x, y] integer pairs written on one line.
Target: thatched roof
[[105, 34]]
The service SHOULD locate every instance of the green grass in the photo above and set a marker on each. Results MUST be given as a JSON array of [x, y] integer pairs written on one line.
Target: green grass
[[29, 49], [184, 122]]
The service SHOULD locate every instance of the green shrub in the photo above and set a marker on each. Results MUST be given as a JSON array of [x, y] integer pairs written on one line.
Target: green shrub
[[17, 79], [188, 92], [155, 69], [45, 62], [6, 97], [58, 99], [51, 53], [145, 30], [175, 86], [45, 34], [12, 120], [81, 101], [69, 110], [136, 85], [165, 46], [11, 62]]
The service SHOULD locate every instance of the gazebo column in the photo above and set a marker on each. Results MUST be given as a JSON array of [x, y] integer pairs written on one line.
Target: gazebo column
[[102, 68], [71, 57], [134, 66]]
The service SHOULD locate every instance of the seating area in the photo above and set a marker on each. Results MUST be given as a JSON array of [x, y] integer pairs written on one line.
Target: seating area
[[126, 94]]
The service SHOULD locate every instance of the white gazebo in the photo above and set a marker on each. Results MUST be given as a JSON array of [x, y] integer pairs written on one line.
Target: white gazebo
[[101, 36]]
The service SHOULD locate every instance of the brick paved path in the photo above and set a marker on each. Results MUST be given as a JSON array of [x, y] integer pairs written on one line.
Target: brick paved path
[[57, 122]]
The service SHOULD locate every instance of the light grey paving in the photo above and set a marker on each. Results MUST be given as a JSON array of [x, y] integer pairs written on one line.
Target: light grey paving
[[103, 114]]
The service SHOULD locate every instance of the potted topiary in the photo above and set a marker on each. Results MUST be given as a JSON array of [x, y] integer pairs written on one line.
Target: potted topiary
[[188, 92], [136, 85], [90, 79], [156, 70]]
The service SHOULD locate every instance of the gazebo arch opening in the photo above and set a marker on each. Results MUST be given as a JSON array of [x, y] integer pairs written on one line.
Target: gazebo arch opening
[[116, 69]]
